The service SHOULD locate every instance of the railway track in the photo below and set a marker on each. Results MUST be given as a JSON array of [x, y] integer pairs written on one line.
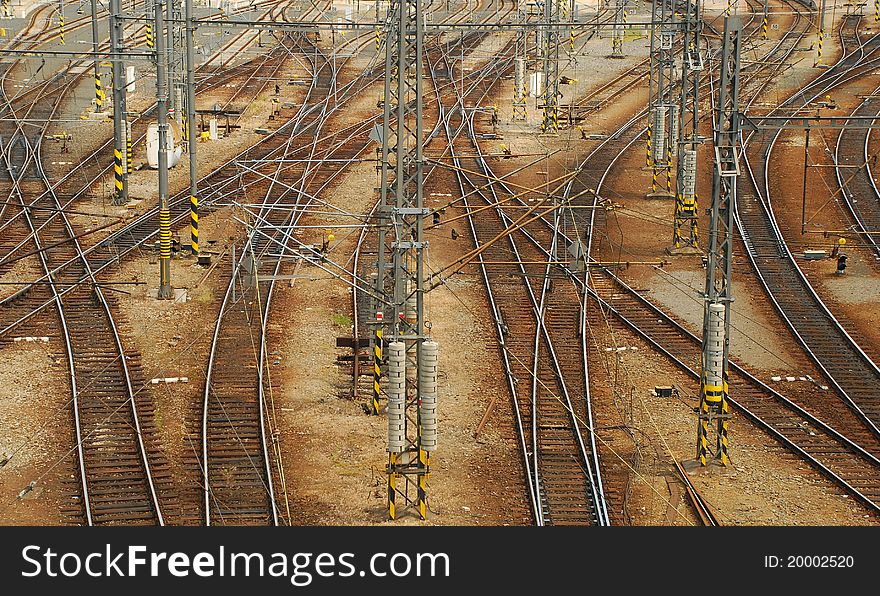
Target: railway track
[[119, 462], [859, 189], [841, 458], [236, 433], [236, 462], [849, 369], [544, 361]]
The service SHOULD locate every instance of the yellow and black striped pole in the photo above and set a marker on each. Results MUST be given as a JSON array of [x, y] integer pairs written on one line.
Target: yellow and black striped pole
[[377, 371], [724, 422], [876, 10], [99, 93], [149, 35], [194, 224], [6, 11], [61, 26], [392, 484], [128, 151], [764, 27], [117, 175], [423, 483], [648, 147], [819, 48], [711, 398], [669, 169], [165, 291]]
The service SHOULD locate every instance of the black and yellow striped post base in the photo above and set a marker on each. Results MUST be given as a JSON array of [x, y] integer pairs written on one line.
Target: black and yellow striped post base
[[377, 371], [61, 28], [194, 225], [149, 36], [714, 411], [648, 147], [118, 178], [764, 29], [392, 485], [99, 94], [423, 484], [165, 290], [723, 447], [819, 48], [128, 153]]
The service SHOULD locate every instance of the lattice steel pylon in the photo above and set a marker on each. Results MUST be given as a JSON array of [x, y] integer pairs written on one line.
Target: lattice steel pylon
[[685, 232], [411, 434], [120, 174], [714, 411], [550, 58], [520, 65], [618, 30], [662, 108]]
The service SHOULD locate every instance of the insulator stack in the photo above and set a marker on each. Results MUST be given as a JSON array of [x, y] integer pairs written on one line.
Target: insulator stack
[[690, 174], [396, 396], [428, 395], [410, 309], [673, 126], [715, 351], [658, 135], [519, 89]]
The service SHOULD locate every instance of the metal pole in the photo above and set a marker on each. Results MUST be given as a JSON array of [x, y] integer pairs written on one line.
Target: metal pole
[[99, 93], [61, 21], [804, 201], [764, 21], [402, 205], [192, 129], [165, 291], [820, 33], [120, 196], [685, 237], [714, 407], [169, 52]]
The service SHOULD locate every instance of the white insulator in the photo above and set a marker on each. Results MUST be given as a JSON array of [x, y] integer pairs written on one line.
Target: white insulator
[[519, 79], [396, 397], [658, 135], [690, 173], [130, 78], [715, 344], [428, 394], [410, 309], [673, 126]]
